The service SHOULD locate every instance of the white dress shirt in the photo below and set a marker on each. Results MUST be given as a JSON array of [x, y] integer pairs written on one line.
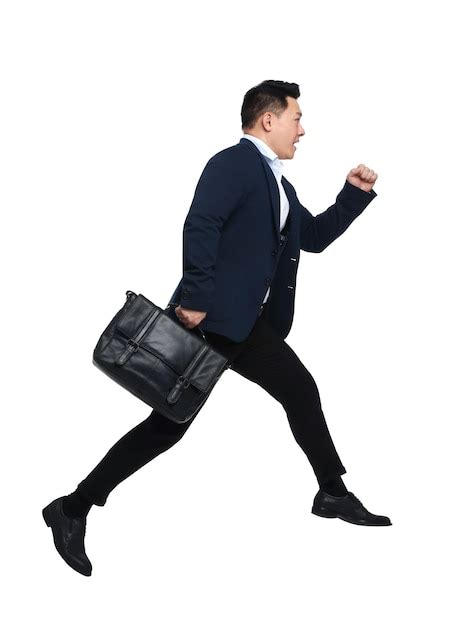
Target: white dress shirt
[[276, 165]]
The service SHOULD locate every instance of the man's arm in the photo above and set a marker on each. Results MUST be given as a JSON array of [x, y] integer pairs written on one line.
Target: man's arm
[[218, 193], [317, 232]]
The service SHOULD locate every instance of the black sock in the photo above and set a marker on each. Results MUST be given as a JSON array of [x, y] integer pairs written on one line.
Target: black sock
[[75, 505], [334, 487]]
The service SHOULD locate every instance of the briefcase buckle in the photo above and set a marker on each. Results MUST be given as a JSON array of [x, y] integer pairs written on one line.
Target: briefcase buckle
[[183, 382], [132, 345]]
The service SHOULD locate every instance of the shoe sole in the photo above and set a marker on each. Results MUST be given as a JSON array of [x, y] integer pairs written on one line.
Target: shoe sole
[[324, 512], [47, 513]]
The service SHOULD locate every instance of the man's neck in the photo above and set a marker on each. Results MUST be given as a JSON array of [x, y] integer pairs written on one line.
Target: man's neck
[[263, 141], [262, 138]]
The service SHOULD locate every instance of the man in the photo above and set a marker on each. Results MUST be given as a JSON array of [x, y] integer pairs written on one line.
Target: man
[[241, 245]]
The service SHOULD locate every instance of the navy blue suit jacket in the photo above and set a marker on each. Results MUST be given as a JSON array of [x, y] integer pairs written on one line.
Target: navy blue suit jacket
[[232, 246]]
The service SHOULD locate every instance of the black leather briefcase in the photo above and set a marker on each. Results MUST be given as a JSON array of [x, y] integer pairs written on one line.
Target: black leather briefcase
[[169, 367]]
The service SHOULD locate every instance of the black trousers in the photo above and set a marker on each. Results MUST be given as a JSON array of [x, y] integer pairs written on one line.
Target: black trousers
[[264, 358]]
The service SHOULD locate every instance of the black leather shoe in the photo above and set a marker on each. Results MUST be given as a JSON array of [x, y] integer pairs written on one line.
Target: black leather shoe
[[68, 536], [347, 508]]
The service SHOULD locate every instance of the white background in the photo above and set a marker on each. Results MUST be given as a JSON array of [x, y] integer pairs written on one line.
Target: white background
[[109, 112]]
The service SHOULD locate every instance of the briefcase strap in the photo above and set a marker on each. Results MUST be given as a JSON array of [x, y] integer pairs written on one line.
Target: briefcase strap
[[133, 344], [183, 381]]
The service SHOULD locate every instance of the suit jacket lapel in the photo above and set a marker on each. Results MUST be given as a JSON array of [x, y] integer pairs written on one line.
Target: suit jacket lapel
[[285, 185], [272, 187]]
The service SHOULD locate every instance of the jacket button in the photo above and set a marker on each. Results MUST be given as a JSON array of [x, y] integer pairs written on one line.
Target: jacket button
[[274, 252], [268, 281]]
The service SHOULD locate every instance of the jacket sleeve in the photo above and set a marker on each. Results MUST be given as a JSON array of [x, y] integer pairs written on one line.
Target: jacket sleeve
[[317, 232], [220, 190]]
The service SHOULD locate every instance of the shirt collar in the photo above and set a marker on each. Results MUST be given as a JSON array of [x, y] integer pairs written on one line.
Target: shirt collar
[[265, 150]]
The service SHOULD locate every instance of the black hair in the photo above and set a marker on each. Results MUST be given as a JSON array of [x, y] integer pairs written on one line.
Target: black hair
[[269, 95]]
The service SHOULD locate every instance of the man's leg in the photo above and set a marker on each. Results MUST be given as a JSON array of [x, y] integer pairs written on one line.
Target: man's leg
[[269, 361], [136, 448], [266, 359], [66, 515]]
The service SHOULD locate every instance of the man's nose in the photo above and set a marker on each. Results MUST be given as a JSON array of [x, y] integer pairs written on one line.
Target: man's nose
[[300, 130]]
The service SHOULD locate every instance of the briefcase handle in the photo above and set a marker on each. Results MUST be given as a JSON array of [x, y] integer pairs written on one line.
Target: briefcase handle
[[173, 306]]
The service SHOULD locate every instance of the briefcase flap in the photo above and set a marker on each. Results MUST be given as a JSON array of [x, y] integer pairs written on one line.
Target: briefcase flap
[[171, 342]]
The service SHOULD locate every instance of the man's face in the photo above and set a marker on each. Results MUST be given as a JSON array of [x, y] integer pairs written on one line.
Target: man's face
[[285, 130]]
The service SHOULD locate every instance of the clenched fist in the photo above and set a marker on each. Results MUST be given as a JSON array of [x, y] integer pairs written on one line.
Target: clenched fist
[[362, 177], [188, 317]]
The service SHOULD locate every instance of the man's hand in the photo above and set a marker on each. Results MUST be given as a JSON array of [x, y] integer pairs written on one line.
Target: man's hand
[[362, 177], [188, 317]]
